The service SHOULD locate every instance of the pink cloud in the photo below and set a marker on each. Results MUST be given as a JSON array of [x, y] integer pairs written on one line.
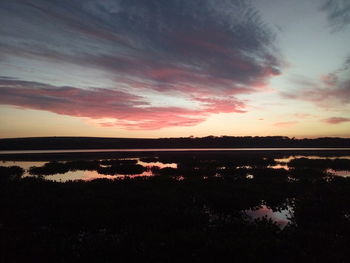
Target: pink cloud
[[302, 115], [329, 79], [336, 120], [286, 124], [125, 110], [214, 105]]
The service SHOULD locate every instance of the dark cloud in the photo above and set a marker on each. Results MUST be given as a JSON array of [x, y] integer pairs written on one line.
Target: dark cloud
[[338, 13], [201, 49]]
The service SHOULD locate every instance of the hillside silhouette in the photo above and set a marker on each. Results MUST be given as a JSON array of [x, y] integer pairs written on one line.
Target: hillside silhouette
[[56, 143]]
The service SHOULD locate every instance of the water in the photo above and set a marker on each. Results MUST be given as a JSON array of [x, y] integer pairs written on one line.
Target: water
[[312, 157], [87, 175], [170, 150], [204, 164], [342, 173], [282, 218]]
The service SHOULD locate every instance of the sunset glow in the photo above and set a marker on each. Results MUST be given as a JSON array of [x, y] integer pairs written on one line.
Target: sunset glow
[[133, 68]]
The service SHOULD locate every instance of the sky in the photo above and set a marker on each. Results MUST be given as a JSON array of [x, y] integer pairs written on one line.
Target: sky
[[175, 68]]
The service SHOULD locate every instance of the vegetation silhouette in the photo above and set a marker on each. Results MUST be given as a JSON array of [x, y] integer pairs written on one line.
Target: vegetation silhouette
[[335, 164], [163, 219], [50, 143], [10, 173], [110, 167]]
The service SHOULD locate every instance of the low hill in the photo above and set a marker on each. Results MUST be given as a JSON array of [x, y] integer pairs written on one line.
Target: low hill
[[56, 143]]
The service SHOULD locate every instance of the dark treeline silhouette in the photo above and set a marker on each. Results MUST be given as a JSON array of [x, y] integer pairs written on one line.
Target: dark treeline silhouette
[[51, 143]]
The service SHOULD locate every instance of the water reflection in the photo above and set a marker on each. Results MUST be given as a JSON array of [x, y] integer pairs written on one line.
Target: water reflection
[[168, 150], [252, 166], [281, 165], [281, 218], [313, 157], [342, 173], [78, 175], [88, 170], [89, 176], [157, 164], [24, 164]]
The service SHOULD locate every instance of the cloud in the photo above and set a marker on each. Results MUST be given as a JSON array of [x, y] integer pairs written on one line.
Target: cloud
[[324, 94], [286, 124], [206, 51], [338, 13], [301, 115], [336, 120], [125, 110], [329, 91]]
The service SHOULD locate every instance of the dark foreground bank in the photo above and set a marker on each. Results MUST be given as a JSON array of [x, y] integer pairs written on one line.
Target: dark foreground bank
[[196, 212]]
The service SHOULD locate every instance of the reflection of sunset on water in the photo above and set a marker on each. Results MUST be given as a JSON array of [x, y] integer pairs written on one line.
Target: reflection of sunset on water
[[313, 157], [249, 166], [342, 173], [281, 218], [157, 164]]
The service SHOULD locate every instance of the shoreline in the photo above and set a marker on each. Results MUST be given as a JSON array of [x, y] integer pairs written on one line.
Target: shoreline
[[47, 156]]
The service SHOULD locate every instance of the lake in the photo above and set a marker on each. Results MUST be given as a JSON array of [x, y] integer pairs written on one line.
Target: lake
[[169, 150]]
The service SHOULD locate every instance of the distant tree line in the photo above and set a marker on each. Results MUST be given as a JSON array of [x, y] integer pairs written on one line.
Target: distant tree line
[[44, 143]]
